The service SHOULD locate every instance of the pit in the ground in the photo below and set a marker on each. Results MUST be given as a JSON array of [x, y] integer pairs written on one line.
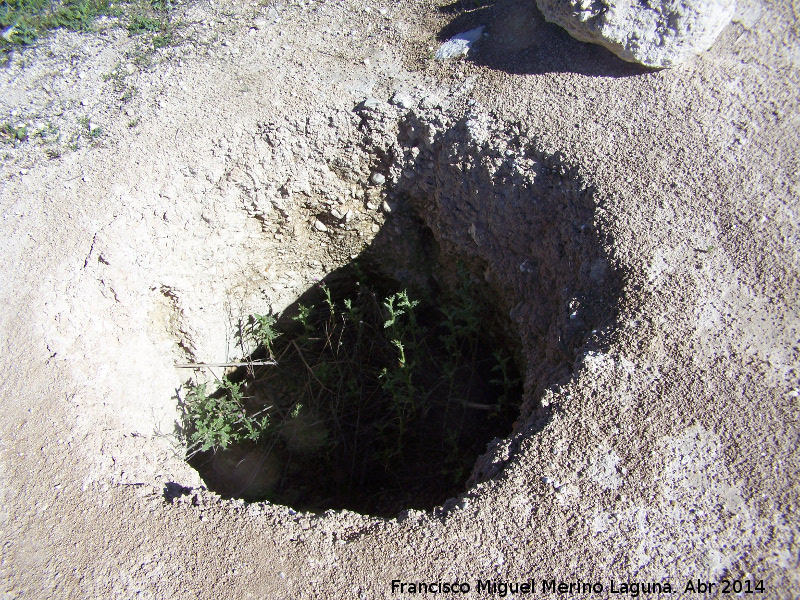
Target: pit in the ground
[[381, 399]]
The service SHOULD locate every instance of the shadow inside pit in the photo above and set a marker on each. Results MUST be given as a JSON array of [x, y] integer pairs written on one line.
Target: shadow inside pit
[[521, 41], [500, 244], [362, 422]]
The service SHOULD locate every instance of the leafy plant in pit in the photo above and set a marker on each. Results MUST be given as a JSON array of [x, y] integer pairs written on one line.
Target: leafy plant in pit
[[503, 381], [262, 328], [398, 382], [303, 318], [217, 420], [461, 323], [361, 384]]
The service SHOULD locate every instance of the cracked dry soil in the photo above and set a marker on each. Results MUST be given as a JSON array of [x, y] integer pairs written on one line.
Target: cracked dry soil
[[634, 232]]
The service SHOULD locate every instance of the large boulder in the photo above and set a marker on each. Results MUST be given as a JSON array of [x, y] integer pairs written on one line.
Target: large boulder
[[656, 33]]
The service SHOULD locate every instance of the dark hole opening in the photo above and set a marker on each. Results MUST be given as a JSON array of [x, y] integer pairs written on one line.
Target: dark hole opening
[[382, 397]]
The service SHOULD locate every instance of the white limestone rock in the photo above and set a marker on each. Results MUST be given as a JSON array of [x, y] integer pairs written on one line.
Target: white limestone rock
[[656, 33], [459, 45]]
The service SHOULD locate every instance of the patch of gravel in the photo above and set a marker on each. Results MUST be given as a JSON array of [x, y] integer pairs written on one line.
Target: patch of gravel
[[636, 230]]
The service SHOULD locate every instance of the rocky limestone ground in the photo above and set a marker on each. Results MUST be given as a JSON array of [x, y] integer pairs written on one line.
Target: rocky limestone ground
[[637, 231]]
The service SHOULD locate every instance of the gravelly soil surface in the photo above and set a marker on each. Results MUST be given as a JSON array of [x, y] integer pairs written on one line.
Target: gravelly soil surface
[[636, 230]]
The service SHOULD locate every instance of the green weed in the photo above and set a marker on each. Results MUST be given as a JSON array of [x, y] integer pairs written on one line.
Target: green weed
[[130, 92], [302, 317], [220, 419], [49, 134], [163, 40], [13, 135], [143, 24], [25, 21], [118, 77], [262, 329], [89, 130], [369, 383]]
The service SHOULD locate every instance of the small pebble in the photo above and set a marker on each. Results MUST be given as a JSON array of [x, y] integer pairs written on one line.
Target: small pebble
[[372, 206], [378, 179], [403, 101], [336, 214], [260, 23], [371, 103], [376, 228], [320, 226]]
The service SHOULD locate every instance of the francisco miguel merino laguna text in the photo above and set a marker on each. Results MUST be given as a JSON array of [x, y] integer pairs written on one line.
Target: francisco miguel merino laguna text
[[503, 588]]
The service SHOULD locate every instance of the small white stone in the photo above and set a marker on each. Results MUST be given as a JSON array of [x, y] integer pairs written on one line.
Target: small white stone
[[372, 103], [459, 45], [378, 179], [320, 226], [376, 228], [403, 101], [260, 23]]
